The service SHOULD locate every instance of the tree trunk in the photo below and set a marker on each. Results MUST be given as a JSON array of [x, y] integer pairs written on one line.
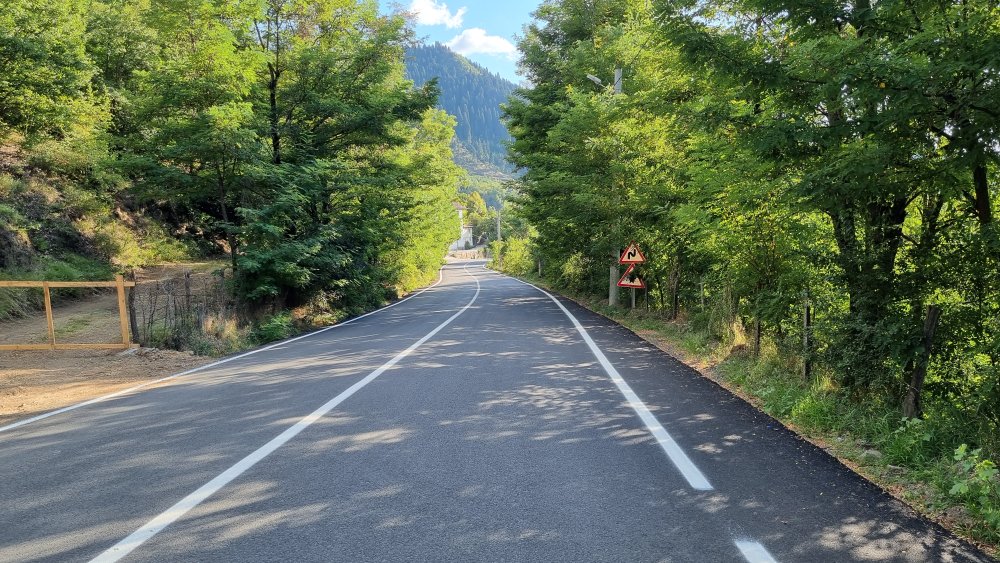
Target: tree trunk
[[868, 263], [675, 290], [911, 403], [659, 290], [230, 238], [984, 209], [806, 344], [272, 87]]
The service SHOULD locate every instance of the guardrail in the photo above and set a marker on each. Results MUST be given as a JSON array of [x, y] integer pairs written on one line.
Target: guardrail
[[119, 283]]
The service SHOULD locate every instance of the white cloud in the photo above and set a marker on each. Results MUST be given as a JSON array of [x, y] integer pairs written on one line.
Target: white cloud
[[432, 12], [476, 40]]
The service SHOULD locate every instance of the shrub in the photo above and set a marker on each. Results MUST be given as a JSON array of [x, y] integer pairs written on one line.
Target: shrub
[[575, 271], [976, 482], [277, 327], [517, 256]]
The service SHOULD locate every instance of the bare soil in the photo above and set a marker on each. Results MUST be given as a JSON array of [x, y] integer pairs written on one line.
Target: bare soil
[[39, 381]]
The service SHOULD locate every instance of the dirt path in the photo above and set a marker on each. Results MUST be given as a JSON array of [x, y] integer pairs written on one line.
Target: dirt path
[[89, 320], [39, 381]]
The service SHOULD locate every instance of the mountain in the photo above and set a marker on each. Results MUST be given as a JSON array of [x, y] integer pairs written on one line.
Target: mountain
[[473, 95]]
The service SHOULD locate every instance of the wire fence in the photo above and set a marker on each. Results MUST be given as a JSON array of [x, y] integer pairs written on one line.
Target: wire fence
[[176, 311]]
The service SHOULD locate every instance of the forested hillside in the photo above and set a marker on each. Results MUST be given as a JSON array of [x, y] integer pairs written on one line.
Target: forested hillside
[[779, 157], [280, 135], [473, 95]]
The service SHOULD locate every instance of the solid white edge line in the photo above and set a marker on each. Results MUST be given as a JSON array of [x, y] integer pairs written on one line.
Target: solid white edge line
[[754, 552], [102, 398], [691, 473], [157, 524]]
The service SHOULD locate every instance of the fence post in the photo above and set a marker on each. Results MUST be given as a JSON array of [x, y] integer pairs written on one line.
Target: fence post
[[133, 322], [48, 316], [122, 314]]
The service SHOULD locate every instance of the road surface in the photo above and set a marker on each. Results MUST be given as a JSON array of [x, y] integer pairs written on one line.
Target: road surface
[[479, 420]]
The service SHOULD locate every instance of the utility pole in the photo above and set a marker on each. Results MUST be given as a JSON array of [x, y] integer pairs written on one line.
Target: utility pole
[[613, 268], [613, 281], [498, 224], [613, 271]]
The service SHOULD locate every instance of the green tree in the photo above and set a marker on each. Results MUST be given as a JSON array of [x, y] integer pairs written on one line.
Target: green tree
[[198, 141], [44, 70]]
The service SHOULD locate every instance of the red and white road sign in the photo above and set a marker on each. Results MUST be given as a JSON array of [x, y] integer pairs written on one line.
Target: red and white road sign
[[630, 279], [632, 255]]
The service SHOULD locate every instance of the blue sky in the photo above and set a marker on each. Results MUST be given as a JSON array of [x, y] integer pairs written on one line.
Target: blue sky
[[483, 31]]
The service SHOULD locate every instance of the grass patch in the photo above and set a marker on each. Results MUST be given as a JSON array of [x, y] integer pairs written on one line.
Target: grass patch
[[68, 267], [73, 326]]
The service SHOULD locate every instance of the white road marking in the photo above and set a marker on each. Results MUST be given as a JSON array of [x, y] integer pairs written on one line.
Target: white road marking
[[691, 473], [157, 524], [754, 552], [211, 365]]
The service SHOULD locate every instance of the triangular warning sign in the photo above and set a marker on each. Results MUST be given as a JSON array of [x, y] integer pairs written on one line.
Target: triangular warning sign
[[632, 255], [629, 279]]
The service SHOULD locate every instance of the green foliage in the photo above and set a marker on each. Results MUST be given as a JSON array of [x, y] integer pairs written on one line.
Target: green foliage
[[16, 303], [909, 442], [976, 481], [69, 267], [772, 154], [276, 327], [574, 272], [282, 134], [44, 70], [513, 256], [764, 165], [431, 222]]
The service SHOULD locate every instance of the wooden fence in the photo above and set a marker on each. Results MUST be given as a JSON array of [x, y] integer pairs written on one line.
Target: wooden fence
[[119, 283]]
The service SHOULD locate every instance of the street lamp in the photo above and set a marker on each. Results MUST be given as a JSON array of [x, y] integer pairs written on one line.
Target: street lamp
[[600, 83], [613, 269]]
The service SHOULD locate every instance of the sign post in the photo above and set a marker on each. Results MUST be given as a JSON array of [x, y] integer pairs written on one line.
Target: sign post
[[631, 256]]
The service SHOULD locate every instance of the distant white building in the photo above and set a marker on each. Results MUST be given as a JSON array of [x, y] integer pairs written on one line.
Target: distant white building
[[465, 234]]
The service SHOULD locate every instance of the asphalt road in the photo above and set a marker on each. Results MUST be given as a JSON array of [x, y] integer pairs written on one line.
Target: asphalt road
[[471, 422]]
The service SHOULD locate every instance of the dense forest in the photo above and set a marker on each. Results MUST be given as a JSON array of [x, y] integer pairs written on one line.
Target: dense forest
[[774, 157], [282, 135], [473, 95]]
